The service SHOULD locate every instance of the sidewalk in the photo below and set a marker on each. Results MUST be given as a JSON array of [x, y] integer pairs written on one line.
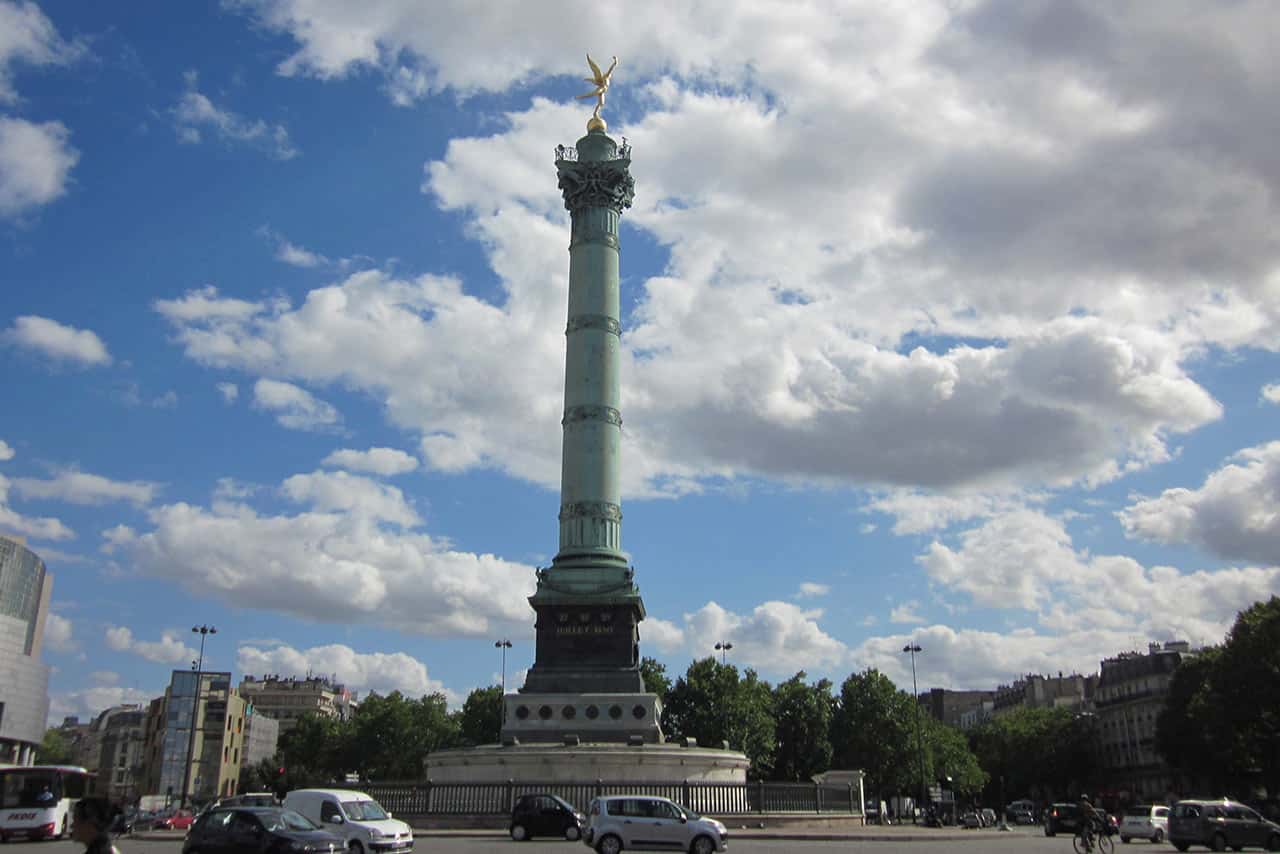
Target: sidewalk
[[870, 833]]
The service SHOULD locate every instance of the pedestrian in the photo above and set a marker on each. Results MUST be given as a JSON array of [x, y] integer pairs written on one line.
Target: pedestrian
[[91, 817]]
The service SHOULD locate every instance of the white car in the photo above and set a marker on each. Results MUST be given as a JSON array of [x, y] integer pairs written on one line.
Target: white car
[[1145, 822], [649, 823], [354, 816]]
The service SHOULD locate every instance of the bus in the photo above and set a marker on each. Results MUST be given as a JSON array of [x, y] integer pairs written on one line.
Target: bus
[[36, 800]]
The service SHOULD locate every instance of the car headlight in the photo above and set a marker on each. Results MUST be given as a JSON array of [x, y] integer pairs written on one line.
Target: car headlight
[[374, 833]]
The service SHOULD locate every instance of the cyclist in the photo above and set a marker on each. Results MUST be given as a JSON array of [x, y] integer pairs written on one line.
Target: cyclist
[[1089, 817]]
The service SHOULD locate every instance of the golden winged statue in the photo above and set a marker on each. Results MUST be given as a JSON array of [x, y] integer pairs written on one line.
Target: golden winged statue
[[600, 80]]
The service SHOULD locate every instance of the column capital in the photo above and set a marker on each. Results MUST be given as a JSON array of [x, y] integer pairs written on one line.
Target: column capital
[[596, 184]]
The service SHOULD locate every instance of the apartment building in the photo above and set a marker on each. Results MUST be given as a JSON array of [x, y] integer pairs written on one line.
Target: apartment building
[[286, 699], [194, 738]]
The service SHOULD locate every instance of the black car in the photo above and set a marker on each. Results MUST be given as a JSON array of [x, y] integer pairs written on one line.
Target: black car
[[545, 815], [266, 829], [1061, 818]]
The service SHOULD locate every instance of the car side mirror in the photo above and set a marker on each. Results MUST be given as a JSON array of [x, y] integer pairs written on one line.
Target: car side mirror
[[684, 819], [389, 813], [335, 819]]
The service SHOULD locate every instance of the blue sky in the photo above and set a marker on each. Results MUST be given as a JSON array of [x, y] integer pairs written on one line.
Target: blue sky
[[945, 321]]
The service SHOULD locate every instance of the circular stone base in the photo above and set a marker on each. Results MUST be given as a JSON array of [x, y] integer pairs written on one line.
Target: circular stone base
[[587, 763]]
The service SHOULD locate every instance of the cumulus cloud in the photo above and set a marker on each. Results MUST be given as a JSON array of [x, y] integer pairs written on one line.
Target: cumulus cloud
[[296, 407], [6, 452], [58, 634], [78, 487], [1271, 393], [170, 649], [195, 115], [35, 527], [57, 342], [775, 638], [35, 164], [229, 391], [918, 512], [811, 589], [382, 461], [88, 702], [381, 672], [353, 553], [1232, 515], [28, 36], [906, 613]]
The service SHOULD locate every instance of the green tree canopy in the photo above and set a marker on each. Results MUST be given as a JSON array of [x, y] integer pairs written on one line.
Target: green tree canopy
[[803, 714], [655, 677], [713, 704], [55, 750], [873, 729], [480, 720], [1039, 753]]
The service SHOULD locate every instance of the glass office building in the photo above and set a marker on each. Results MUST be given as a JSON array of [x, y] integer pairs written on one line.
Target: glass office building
[[25, 588]]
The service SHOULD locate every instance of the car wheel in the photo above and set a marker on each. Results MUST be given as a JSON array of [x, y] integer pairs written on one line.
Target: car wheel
[[703, 845], [519, 832], [1182, 846], [1273, 843], [572, 833], [609, 844], [1124, 839], [1158, 836], [1237, 847], [1219, 842], [355, 847]]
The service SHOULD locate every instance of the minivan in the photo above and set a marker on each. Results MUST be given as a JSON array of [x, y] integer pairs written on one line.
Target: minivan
[[1219, 824], [649, 823], [354, 816]]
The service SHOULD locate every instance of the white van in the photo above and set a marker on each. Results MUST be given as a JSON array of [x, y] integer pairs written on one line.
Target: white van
[[355, 817]]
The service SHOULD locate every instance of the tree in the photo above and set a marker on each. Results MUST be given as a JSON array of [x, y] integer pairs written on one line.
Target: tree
[[480, 720], [947, 754], [55, 750], [392, 735], [312, 753], [873, 728], [1247, 679], [1041, 753], [803, 714], [655, 677], [712, 704]]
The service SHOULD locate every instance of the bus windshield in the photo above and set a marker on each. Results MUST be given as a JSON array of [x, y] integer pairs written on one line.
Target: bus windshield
[[40, 786]]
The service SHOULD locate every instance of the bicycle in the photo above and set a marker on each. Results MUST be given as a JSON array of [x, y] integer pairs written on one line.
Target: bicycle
[[1100, 839]]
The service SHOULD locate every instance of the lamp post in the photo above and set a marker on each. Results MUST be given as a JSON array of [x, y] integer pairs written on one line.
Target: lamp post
[[723, 648], [504, 645], [913, 648], [203, 631]]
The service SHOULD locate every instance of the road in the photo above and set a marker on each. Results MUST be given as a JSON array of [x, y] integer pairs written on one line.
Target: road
[[1021, 841]]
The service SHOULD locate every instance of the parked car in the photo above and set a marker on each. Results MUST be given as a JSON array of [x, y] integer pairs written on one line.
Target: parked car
[[652, 824], [1145, 822], [267, 829], [1219, 824], [177, 820], [1020, 815], [354, 816], [970, 818], [545, 815]]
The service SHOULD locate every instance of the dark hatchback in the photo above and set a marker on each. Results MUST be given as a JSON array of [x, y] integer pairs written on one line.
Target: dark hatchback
[[1219, 825], [545, 815], [265, 829], [1065, 818]]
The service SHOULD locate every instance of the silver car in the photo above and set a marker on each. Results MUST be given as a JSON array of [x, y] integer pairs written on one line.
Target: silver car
[[649, 823], [1145, 822]]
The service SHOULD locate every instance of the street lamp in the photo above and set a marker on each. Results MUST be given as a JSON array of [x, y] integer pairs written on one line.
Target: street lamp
[[913, 648], [203, 631], [504, 645], [723, 647]]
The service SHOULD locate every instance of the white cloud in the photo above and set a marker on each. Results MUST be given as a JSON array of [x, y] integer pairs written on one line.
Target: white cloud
[[296, 407], [6, 452], [37, 528], [1232, 515], [906, 613], [168, 400], [58, 342], [28, 36], [86, 703], [373, 671], [170, 649], [229, 391], [58, 633], [917, 512], [348, 557], [35, 164], [77, 487], [383, 461], [1271, 393], [195, 113], [810, 589], [776, 638]]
